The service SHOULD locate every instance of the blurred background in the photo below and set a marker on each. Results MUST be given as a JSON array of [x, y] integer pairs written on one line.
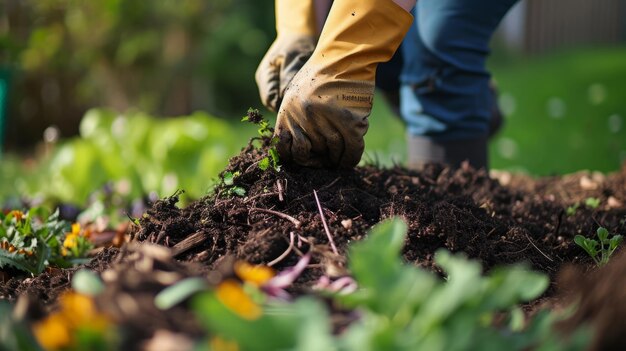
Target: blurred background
[[146, 97]]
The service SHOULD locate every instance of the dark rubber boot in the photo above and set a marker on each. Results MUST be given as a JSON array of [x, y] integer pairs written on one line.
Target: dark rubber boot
[[423, 150]]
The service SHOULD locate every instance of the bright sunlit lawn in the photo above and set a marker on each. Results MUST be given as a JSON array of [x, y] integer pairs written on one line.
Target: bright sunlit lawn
[[564, 112]]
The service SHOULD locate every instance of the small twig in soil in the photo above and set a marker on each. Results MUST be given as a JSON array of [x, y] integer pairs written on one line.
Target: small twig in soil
[[295, 222], [286, 253], [558, 223], [330, 184], [248, 199], [160, 236], [279, 185], [188, 243], [330, 237], [535, 246]]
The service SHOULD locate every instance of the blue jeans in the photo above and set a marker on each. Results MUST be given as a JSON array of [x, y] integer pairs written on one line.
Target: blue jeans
[[444, 83]]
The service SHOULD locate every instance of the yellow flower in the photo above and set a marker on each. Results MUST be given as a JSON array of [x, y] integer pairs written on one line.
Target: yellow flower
[[53, 332], [76, 228], [255, 275], [218, 344], [71, 239], [76, 311], [231, 294]]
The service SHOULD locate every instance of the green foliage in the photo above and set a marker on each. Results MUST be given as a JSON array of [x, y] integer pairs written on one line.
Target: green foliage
[[228, 179], [571, 210], [602, 249], [266, 132], [33, 240], [592, 202], [578, 114], [138, 154], [400, 307], [174, 294], [14, 334]]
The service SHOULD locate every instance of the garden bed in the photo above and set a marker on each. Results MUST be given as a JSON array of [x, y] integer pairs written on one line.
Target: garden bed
[[273, 216]]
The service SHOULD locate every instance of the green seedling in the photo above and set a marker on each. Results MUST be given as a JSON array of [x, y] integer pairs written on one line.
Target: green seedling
[[265, 132], [602, 249], [592, 202], [571, 210], [229, 184]]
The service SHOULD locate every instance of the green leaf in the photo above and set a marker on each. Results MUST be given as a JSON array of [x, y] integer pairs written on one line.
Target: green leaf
[[602, 233], [274, 155], [229, 178], [592, 202], [615, 241], [589, 245], [42, 253], [16, 261], [175, 294], [239, 191], [301, 325], [264, 163]]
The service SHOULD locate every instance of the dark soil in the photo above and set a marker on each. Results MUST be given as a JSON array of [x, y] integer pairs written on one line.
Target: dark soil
[[498, 220]]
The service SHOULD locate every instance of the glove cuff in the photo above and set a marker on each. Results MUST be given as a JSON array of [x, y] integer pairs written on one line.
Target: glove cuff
[[358, 35], [295, 17]]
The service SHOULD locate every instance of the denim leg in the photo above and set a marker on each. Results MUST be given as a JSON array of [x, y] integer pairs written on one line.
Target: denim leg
[[445, 84]]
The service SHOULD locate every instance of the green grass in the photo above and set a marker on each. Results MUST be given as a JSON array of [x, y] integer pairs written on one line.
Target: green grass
[[565, 112], [589, 131]]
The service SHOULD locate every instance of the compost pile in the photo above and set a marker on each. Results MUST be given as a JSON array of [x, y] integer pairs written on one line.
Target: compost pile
[[498, 219]]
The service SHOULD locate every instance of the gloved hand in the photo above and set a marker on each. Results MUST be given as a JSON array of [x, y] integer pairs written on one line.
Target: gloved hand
[[324, 113], [294, 44]]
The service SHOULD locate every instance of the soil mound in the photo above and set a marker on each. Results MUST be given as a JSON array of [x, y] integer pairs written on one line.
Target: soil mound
[[498, 219]]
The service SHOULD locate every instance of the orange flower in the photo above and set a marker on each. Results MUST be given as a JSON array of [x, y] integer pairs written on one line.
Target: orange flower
[[231, 294], [18, 215], [255, 275]]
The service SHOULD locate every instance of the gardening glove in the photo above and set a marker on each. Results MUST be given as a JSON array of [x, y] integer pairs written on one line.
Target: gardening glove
[[324, 114], [294, 44]]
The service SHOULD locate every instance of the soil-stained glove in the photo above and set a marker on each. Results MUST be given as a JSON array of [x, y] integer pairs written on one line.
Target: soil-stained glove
[[294, 44], [324, 113]]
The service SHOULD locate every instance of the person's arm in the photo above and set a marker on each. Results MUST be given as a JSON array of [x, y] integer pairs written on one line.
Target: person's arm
[[324, 113], [408, 5], [295, 41], [322, 7]]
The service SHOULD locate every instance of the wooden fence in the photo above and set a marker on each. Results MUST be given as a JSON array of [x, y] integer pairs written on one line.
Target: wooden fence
[[545, 25]]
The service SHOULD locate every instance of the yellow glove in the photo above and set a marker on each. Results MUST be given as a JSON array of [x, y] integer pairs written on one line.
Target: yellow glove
[[324, 113], [294, 44]]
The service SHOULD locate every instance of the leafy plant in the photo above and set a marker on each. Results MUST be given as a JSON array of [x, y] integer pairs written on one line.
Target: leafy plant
[[266, 132], [228, 180], [600, 250], [14, 333], [398, 307], [33, 240]]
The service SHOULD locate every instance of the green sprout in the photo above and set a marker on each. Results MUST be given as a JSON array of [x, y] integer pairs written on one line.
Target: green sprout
[[266, 132], [602, 249], [571, 210], [229, 183], [592, 202]]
